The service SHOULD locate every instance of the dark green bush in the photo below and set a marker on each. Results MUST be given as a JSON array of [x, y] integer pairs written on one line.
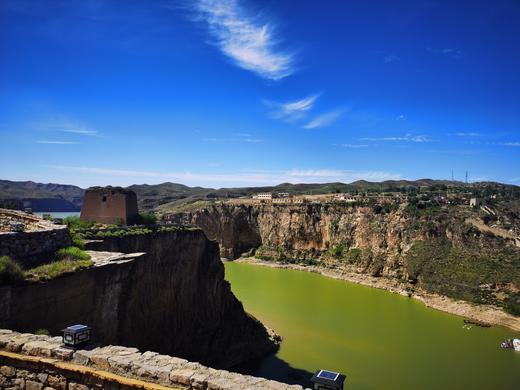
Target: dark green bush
[[74, 223], [146, 219], [10, 271], [512, 305]]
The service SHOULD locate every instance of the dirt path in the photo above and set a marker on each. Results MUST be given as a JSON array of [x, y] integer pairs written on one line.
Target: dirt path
[[489, 314]]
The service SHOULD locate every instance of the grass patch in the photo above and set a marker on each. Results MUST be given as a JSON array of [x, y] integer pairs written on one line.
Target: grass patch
[[10, 271], [57, 268], [71, 253]]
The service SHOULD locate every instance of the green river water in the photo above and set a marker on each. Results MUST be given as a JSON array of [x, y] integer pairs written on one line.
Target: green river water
[[378, 339]]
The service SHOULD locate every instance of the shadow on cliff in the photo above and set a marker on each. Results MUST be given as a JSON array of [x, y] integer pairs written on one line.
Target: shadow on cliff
[[272, 367]]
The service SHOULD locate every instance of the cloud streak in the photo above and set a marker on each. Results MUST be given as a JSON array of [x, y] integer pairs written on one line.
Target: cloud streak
[[248, 42], [66, 126], [406, 138], [353, 146], [240, 178], [293, 110], [57, 142], [324, 119]]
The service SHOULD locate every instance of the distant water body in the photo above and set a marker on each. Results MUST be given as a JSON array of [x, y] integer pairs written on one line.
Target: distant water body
[[58, 214], [379, 340]]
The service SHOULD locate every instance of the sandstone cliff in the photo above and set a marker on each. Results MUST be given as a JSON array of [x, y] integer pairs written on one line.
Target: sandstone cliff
[[436, 248], [172, 299]]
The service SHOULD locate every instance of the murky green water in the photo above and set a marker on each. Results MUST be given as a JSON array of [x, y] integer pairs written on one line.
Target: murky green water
[[378, 339]]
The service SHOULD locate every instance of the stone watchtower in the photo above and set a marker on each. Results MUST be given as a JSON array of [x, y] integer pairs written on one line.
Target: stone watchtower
[[109, 205]]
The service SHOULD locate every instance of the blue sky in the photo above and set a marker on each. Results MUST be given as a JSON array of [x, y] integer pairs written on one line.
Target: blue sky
[[240, 93]]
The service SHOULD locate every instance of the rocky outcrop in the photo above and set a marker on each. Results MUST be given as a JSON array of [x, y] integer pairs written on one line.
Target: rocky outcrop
[[173, 299]]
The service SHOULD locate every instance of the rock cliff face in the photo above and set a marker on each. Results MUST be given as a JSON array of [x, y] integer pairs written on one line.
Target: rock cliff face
[[439, 249], [309, 229], [173, 300]]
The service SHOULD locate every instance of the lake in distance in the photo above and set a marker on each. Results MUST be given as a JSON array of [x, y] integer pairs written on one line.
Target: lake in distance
[[379, 340]]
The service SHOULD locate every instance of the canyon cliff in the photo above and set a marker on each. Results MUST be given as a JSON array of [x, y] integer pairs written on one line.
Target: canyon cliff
[[172, 299], [442, 249]]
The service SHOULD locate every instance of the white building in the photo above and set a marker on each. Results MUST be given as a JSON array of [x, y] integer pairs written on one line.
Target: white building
[[263, 196]]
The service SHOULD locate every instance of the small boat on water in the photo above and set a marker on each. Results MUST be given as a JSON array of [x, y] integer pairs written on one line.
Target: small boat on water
[[511, 344]]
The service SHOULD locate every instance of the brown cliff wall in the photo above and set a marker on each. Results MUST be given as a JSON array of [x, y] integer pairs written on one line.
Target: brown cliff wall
[[173, 299], [309, 231]]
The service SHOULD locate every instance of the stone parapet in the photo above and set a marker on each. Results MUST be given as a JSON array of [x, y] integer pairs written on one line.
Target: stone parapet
[[33, 248], [37, 362]]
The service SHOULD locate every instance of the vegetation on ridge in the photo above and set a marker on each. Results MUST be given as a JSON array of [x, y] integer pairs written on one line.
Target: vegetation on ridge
[[10, 271]]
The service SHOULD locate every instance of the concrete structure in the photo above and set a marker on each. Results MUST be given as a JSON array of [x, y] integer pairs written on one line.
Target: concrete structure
[[109, 205], [475, 202]]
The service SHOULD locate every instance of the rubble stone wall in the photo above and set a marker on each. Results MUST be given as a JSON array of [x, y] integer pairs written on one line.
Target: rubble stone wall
[[31, 249], [37, 362]]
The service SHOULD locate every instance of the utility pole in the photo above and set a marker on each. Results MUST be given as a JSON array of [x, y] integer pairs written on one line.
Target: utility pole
[[466, 177], [452, 175]]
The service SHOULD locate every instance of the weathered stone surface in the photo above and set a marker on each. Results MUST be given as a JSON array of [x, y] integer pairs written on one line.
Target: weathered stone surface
[[149, 366], [42, 377], [35, 247], [77, 386], [57, 382], [7, 371], [32, 385]]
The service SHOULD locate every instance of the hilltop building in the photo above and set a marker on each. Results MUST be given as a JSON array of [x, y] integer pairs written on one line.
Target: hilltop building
[[264, 196], [109, 205]]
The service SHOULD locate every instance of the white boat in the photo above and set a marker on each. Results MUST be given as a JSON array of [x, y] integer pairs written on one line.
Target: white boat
[[516, 344]]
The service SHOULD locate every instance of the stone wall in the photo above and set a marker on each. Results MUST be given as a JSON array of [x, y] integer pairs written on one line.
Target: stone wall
[[33, 248], [33, 362]]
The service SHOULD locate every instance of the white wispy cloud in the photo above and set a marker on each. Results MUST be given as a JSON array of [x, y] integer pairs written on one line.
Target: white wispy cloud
[[57, 142], [468, 134], [68, 126], [448, 51], [512, 144], [252, 44], [406, 138], [240, 137], [353, 146], [240, 178], [324, 119], [293, 110]]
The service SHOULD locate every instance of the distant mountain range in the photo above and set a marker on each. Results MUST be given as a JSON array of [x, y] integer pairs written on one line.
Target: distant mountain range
[[61, 197]]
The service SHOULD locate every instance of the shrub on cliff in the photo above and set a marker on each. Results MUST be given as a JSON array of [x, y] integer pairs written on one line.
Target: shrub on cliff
[[10, 271], [512, 305], [74, 223], [145, 219]]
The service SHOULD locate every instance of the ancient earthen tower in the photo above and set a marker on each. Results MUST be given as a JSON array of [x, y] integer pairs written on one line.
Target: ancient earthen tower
[[109, 205]]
